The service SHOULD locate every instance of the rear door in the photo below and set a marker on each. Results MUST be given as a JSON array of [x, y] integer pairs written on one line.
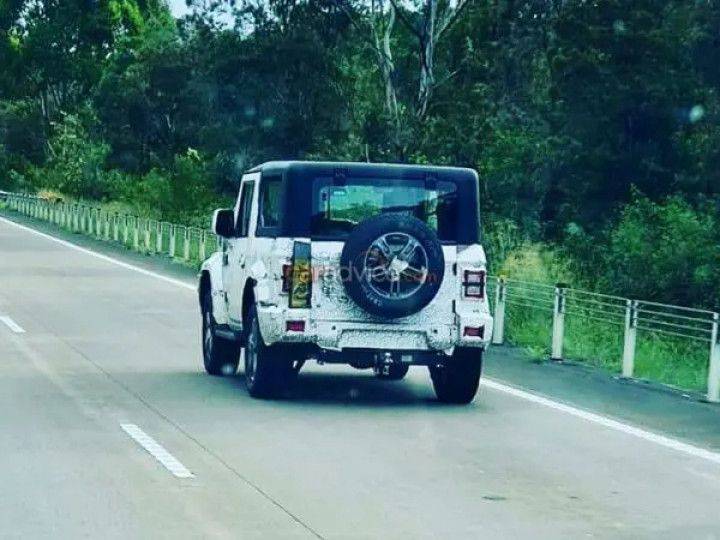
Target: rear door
[[331, 303]]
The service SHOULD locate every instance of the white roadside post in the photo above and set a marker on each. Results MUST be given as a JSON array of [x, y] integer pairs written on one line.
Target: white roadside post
[[713, 382], [498, 336], [136, 235], [126, 230], [147, 234], [171, 248], [558, 330], [158, 237], [631, 320], [116, 227], [186, 246], [201, 250]]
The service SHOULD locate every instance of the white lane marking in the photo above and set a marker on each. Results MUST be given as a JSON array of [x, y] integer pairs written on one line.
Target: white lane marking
[[661, 440], [117, 262], [12, 325], [157, 451]]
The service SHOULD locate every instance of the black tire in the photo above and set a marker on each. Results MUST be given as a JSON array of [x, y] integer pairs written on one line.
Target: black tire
[[396, 372], [220, 356], [359, 285], [457, 381], [267, 372]]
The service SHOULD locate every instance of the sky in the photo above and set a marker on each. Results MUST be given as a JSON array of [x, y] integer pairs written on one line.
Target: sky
[[178, 7]]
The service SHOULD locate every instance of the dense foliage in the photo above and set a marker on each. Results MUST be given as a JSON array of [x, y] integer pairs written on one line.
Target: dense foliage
[[594, 125]]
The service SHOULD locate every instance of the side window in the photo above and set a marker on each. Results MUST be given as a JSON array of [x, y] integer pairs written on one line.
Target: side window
[[242, 226], [270, 193]]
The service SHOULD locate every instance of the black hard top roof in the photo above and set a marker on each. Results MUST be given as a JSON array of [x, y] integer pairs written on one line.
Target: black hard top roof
[[297, 200], [362, 168]]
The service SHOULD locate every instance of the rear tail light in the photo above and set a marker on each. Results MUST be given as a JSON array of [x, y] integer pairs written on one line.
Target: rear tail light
[[474, 284], [300, 285]]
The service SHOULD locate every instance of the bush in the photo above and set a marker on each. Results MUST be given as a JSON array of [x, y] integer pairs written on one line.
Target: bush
[[182, 194], [76, 164], [668, 252]]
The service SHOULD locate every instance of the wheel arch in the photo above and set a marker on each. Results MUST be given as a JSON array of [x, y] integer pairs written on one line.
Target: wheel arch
[[248, 300], [210, 279], [204, 286]]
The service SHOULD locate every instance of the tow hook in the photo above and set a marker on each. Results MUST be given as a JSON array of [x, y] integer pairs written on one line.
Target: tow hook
[[383, 361]]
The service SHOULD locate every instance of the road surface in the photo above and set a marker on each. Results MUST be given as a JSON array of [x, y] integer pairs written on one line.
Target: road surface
[[93, 353]]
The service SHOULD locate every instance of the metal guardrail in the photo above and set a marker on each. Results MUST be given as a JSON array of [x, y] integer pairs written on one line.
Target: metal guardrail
[[192, 245], [561, 301], [188, 244]]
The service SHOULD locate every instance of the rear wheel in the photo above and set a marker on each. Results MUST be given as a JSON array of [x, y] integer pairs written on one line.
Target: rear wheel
[[267, 373], [457, 381], [220, 356]]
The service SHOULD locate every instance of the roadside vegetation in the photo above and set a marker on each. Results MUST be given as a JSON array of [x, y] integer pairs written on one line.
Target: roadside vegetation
[[594, 125]]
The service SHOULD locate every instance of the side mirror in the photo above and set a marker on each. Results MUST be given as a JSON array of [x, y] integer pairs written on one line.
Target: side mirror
[[223, 222]]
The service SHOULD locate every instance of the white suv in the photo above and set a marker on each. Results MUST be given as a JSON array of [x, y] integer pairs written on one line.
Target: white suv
[[372, 265]]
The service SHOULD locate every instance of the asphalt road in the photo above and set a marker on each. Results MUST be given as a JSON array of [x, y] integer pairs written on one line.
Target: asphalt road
[[88, 346]]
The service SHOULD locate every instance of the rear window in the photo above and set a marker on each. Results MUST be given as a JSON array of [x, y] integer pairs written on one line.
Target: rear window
[[339, 206]]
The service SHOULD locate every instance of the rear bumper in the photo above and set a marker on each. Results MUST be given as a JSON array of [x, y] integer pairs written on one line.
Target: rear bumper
[[340, 335]]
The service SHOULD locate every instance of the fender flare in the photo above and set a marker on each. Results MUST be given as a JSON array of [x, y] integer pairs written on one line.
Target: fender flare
[[211, 276]]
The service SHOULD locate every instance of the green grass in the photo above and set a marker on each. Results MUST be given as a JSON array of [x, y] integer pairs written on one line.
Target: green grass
[[530, 329], [594, 342], [674, 361], [682, 363]]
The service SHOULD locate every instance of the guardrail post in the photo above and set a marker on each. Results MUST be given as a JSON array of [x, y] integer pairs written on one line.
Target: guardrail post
[[158, 237], [116, 227], [558, 330], [631, 320], [713, 382], [171, 248], [126, 231], [201, 249], [136, 235], [498, 336], [186, 245], [147, 234]]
